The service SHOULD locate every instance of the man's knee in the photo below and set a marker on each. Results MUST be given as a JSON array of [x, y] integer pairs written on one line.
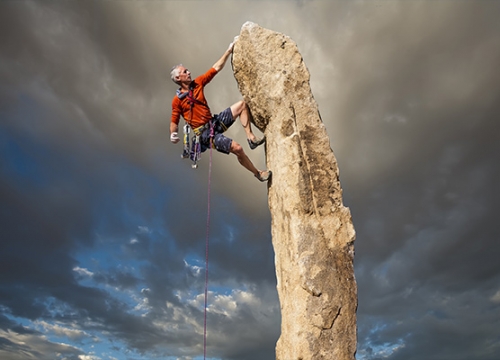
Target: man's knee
[[236, 148], [238, 108]]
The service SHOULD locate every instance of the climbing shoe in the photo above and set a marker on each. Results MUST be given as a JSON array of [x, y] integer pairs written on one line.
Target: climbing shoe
[[254, 143], [264, 175]]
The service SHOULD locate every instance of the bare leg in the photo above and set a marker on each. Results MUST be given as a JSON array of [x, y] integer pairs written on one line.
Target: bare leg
[[241, 109], [237, 150]]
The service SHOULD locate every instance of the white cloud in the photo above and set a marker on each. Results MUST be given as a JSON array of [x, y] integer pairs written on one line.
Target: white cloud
[[195, 269], [143, 306], [83, 271], [72, 333], [89, 357]]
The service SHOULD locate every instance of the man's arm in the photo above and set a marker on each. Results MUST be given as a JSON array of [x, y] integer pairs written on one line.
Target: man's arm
[[174, 121], [174, 127], [222, 61]]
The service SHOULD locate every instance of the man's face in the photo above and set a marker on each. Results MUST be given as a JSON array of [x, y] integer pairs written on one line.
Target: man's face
[[184, 75]]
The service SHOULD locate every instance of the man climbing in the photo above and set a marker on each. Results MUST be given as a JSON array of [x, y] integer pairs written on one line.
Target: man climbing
[[190, 103]]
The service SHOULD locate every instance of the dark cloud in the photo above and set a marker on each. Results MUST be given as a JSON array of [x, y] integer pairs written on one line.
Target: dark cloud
[[20, 342], [103, 226]]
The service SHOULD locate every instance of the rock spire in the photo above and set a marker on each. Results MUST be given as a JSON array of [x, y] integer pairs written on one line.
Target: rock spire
[[312, 231]]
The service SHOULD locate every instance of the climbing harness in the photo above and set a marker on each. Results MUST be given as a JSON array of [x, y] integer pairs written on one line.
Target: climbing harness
[[192, 151], [206, 245]]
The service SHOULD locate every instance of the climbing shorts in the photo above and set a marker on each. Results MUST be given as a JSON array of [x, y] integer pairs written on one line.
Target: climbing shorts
[[221, 123]]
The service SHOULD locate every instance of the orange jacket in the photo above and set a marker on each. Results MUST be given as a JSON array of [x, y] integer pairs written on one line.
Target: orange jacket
[[199, 113]]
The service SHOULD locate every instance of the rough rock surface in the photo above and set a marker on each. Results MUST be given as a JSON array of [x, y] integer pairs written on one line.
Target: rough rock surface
[[312, 232]]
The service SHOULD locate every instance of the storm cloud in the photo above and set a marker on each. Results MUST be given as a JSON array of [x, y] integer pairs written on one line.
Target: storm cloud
[[103, 225]]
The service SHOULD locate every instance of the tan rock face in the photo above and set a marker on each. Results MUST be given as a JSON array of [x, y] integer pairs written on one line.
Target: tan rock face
[[312, 232]]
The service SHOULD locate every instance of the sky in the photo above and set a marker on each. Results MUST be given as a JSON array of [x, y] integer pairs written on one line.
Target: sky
[[103, 225]]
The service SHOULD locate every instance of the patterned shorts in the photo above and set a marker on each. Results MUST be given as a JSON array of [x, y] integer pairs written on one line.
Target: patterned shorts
[[222, 122]]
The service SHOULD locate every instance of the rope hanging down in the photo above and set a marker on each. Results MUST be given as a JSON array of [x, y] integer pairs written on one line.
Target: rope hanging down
[[206, 244]]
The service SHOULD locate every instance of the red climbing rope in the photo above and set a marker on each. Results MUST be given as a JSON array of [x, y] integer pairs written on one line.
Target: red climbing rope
[[206, 245]]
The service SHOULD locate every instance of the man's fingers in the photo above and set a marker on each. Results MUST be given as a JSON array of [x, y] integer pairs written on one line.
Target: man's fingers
[[174, 138]]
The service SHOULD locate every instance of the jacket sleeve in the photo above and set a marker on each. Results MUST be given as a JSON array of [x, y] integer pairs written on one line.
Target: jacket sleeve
[[206, 77], [176, 111]]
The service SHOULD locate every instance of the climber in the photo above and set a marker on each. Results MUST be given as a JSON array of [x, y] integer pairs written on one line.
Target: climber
[[190, 102]]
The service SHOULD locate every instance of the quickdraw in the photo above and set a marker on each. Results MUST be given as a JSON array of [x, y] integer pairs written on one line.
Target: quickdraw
[[185, 151], [196, 151]]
